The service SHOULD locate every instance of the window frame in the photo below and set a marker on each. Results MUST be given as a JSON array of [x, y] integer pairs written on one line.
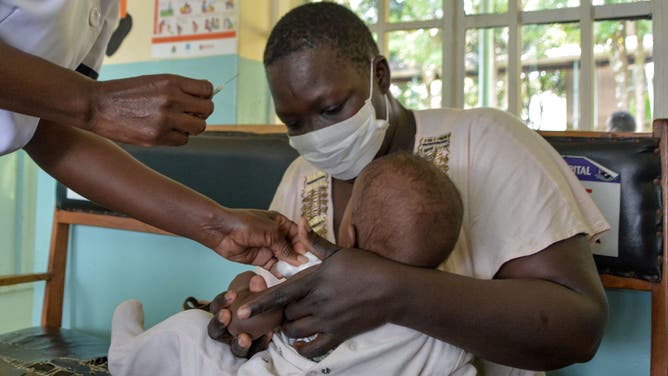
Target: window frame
[[455, 23]]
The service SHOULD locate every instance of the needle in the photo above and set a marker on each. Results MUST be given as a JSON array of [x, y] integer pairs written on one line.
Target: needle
[[219, 88]]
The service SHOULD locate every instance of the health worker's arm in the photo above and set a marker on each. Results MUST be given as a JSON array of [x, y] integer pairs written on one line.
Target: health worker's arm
[[104, 173], [147, 110]]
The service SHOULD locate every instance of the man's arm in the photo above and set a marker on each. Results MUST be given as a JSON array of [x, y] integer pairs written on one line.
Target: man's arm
[[147, 110], [107, 175], [543, 311]]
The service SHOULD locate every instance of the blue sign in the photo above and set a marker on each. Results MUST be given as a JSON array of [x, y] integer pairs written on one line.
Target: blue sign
[[604, 187], [587, 170]]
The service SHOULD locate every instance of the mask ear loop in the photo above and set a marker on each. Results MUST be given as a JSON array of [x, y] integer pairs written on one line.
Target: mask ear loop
[[371, 81]]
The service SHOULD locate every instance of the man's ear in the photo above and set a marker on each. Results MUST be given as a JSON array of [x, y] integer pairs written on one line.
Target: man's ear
[[382, 71]]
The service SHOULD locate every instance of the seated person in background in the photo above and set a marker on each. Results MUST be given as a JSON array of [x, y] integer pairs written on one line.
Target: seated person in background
[[397, 201], [621, 121]]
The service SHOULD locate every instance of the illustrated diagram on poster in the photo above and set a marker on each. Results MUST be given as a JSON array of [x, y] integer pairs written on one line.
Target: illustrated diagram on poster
[[194, 28], [604, 186]]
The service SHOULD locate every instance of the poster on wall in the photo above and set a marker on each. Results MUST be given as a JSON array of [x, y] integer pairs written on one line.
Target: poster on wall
[[604, 186], [188, 28]]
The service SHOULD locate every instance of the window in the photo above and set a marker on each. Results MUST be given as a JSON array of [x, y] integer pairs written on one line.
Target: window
[[557, 64]]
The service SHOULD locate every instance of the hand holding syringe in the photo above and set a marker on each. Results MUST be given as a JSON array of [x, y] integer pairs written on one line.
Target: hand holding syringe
[[219, 88]]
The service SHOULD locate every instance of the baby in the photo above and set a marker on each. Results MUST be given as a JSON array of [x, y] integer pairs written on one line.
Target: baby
[[400, 203]]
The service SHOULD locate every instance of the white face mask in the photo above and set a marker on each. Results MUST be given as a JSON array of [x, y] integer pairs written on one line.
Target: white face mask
[[344, 149]]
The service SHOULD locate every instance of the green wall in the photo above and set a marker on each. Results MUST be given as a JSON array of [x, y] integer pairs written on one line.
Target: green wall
[[18, 176], [254, 104]]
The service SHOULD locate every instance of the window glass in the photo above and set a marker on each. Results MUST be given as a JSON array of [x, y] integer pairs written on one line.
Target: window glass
[[550, 72], [416, 71], [485, 6], [605, 2], [415, 10], [18, 182], [549, 78], [367, 10], [624, 74], [8, 215], [486, 80], [529, 5]]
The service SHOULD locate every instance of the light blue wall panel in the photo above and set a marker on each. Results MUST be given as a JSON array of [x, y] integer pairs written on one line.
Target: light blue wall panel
[[110, 266], [625, 348]]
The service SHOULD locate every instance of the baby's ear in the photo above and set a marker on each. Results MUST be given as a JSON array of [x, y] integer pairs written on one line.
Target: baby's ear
[[352, 236]]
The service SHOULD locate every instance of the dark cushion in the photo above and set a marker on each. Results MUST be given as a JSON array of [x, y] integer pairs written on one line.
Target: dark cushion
[[640, 219], [52, 351], [238, 170]]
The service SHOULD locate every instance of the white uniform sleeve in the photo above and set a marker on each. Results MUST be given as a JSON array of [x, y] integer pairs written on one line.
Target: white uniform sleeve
[[522, 197], [109, 18]]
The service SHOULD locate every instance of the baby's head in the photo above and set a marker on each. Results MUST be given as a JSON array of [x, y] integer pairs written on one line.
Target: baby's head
[[402, 203]]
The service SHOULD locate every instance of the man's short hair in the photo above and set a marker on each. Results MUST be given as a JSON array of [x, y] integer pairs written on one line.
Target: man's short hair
[[405, 204], [314, 25]]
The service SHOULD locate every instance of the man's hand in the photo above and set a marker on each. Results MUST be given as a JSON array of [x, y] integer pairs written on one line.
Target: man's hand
[[242, 344], [150, 110], [258, 238], [337, 299]]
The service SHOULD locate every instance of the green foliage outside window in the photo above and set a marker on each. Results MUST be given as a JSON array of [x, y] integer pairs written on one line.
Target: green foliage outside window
[[550, 56]]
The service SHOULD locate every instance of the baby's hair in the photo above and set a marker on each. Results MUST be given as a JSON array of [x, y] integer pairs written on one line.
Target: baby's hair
[[314, 25], [403, 204]]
